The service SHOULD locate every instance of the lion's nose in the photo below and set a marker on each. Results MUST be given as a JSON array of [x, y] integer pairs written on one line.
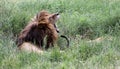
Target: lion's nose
[[57, 13], [57, 30]]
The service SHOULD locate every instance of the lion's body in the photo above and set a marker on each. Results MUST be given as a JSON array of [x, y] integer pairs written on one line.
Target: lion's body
[[29, 47], [42, 25]]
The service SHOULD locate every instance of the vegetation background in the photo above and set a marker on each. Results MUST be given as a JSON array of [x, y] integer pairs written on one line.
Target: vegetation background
[[93, 27]]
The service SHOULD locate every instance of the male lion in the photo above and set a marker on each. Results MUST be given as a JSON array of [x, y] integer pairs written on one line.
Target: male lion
[[41, 26]]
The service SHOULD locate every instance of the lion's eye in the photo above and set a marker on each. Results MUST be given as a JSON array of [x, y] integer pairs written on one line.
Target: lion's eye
[[46, 15]]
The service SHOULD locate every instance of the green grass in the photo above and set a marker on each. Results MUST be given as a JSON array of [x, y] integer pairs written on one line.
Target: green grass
[[81, 20]]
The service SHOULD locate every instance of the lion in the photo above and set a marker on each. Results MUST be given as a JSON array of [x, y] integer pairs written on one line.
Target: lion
[[41, 26]]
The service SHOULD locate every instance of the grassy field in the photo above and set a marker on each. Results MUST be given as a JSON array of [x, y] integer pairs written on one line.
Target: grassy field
[[93, 27]]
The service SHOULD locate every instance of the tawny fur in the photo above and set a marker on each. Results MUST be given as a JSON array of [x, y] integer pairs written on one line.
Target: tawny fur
[[29, 47], [43, 24]]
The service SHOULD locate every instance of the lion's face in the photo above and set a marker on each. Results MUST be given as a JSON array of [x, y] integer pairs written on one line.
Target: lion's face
[[45, 17]]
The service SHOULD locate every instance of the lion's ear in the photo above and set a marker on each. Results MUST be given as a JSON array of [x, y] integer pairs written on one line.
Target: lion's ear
[[38, 16]]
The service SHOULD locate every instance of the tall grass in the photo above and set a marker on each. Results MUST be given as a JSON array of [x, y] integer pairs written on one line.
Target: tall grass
[[79, 19]]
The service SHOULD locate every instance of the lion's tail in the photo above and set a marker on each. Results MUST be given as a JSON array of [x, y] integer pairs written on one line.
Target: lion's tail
[[63, 36]]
